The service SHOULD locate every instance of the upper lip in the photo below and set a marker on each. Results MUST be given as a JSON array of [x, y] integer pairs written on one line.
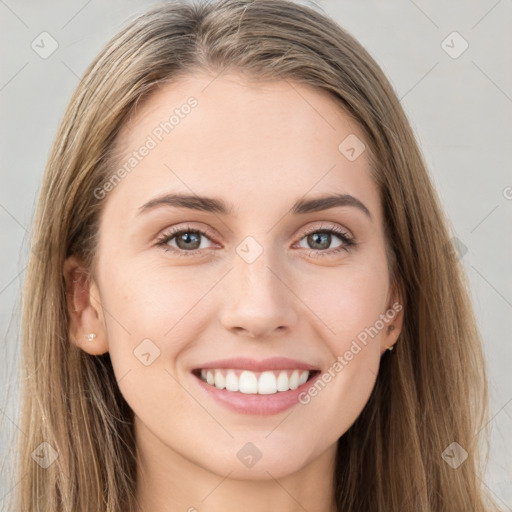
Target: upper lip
[[242, 363]]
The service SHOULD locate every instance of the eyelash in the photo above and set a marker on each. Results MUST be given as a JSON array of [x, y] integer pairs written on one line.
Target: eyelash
[[348, 242]]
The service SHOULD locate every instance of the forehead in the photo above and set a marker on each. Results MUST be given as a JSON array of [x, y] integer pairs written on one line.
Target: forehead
[[229, 137], [255, 109]]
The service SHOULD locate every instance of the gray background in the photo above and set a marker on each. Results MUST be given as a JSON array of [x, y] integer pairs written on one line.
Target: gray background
[[460, 109]]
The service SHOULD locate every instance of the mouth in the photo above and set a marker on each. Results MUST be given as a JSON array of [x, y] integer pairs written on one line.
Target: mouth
[[268, 382]]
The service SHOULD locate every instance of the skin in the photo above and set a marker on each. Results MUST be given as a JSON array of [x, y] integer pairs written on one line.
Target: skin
[[259, 147]]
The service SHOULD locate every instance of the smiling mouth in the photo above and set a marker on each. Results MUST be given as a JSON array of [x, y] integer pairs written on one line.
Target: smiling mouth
[[259, 383]]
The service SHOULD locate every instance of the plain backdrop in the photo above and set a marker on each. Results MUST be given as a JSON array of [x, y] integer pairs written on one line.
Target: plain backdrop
[[458, 99]]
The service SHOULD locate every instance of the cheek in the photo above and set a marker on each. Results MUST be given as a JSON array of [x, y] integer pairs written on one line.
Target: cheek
[[148, 317], [151, 300], [350, 309], [349, 301], [151, 314]]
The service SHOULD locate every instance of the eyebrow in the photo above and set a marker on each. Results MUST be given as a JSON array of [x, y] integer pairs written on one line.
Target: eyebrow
[[214, 205]]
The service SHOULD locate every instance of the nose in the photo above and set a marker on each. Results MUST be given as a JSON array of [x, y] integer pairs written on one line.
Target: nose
[[258, 301]]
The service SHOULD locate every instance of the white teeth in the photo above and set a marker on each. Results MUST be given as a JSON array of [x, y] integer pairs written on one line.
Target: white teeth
[[264, 383], [220, 380], [294, 380], [282, 382], [267, 383], [248, 382], [231, 381]]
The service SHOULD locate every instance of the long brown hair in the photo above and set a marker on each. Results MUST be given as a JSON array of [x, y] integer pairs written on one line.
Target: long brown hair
[[431, 391]]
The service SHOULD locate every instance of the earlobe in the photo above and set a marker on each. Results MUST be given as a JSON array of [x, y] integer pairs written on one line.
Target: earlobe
[[391, 340], [395, 314], [87, 328]]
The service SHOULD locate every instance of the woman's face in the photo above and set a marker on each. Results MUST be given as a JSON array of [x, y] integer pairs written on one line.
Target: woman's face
[[255, 272]]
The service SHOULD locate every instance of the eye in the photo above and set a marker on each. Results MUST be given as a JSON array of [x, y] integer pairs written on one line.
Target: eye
[[321, 239], [186, 239]]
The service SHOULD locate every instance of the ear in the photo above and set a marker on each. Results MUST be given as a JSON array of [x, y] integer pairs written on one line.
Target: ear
[[84, 307], [395, 317]]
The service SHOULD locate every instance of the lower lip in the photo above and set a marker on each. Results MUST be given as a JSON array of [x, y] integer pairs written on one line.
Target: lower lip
[[262, 405]]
